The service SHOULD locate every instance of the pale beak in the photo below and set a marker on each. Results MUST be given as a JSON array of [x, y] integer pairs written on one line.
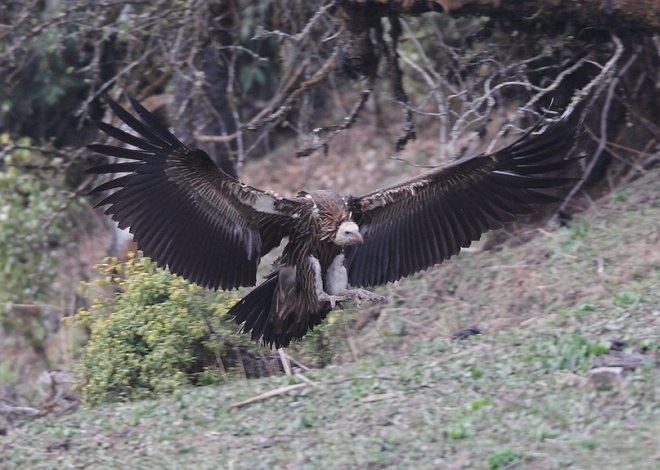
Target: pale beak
[[358, 239]]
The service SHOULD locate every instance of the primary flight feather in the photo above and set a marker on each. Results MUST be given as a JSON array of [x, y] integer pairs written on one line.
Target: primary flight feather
[[192, 218]]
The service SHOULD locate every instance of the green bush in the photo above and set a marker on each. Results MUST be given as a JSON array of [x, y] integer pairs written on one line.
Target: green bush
[[151, 332]]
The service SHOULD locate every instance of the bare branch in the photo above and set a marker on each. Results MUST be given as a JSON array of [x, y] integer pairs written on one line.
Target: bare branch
[[333, 131], [607, 70]]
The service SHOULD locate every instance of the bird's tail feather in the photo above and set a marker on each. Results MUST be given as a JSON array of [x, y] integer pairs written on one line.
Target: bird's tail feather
[[254, 310]]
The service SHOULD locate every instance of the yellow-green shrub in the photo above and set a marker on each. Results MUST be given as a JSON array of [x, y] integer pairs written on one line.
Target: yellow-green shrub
[[151, 332]]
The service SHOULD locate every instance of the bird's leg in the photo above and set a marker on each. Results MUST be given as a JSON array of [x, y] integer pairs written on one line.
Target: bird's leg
[[321, 295], [336, 283]]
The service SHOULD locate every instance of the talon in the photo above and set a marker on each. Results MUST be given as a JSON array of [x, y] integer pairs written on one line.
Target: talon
[[333, 299], [370, 296], [360, 295], [357, 295]]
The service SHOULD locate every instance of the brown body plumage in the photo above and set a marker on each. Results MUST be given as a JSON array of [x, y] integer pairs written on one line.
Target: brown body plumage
[[189, 216]]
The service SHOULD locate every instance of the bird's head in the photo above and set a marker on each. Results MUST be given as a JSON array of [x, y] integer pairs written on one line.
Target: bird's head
[[348, 233]]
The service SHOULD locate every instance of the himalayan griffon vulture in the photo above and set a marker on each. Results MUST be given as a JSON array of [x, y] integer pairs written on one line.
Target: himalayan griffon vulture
[[192, 218]]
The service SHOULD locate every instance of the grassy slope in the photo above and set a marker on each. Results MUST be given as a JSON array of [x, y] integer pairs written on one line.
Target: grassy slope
[[517, 394]]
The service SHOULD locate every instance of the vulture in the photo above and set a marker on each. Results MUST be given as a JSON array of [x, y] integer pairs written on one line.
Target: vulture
[[190, 217]]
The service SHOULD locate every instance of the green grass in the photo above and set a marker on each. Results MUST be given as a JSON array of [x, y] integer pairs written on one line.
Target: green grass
[[518, 396]]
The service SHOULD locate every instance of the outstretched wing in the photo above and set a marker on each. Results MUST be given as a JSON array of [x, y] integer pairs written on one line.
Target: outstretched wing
[[183, 211], [419, 223]]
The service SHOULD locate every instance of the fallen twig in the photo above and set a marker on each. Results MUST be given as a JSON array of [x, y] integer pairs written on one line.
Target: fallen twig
[[307, 380], [286, 365], [378, 397], [297, 363], [269, 394]]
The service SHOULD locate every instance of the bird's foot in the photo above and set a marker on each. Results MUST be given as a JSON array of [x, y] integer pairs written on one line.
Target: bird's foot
[[361, 295], [356, 295], [333, 299]]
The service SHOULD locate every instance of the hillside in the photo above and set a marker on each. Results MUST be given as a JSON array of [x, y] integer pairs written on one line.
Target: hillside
[[528, 391]]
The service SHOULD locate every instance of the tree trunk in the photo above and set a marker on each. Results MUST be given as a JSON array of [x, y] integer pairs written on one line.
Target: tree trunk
[[635, 14]]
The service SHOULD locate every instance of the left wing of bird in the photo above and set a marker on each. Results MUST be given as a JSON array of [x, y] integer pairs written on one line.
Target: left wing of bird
[[414, 225]]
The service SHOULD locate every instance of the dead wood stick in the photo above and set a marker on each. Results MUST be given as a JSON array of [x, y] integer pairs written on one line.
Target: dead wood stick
[[286, 365], [306, 380], [297, 363], [269, 394]]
